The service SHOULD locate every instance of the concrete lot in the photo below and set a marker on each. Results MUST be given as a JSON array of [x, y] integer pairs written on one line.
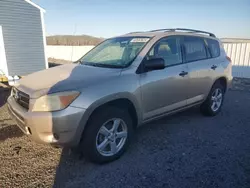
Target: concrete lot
[[184, 150]]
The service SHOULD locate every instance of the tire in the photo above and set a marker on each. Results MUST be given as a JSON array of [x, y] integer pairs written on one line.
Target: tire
[[207, 107], [94, 137]]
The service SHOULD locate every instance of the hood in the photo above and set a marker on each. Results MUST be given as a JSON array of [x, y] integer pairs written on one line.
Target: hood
[[63, 78]]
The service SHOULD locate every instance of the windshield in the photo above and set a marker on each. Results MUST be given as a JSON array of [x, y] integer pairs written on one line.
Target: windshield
[[115, 53]]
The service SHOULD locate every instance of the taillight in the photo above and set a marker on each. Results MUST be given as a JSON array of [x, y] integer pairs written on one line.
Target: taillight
[[229, 59]]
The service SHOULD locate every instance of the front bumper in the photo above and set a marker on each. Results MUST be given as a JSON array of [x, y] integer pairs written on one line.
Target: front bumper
[[56, 128]]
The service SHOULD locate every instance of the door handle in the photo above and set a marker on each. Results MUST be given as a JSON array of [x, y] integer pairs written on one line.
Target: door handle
[[214, 67], [183, 73]]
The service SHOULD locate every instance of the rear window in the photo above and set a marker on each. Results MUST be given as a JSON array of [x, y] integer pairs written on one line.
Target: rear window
[[194, 49], [214, 47]]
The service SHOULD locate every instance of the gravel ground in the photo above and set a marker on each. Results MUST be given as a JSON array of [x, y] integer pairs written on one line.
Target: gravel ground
[[184, 150]]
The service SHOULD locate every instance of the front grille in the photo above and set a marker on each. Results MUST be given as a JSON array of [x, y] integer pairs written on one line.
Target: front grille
[[19, 120], [21, 98]]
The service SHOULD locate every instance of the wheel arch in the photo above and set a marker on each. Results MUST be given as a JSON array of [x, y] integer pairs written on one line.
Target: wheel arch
[[223, 81], [122, 101]]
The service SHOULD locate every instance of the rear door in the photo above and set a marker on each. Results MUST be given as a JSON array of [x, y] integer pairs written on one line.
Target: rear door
[[214, 49], [198, 59], [164, 90]]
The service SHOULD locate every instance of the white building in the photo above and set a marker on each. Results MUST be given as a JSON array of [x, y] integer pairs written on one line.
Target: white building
[[22, 38]]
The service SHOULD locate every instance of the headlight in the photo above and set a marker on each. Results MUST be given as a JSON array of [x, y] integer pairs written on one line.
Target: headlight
[[55, 101]]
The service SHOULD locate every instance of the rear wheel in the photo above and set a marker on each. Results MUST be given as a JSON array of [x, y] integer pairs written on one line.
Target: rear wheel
[[214, 101], [107, 135]]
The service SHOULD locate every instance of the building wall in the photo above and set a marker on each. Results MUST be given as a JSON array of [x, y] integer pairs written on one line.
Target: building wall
[[3, 64], [23, 37], [240, 54], [71, 53]]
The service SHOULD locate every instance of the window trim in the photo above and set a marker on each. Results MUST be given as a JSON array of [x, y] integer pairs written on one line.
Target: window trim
[[184, 50], [208, 50], [141, 69], [206, 39]]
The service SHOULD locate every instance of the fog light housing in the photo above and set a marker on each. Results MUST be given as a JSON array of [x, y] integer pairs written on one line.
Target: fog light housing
[[27, 129], [56, 136]]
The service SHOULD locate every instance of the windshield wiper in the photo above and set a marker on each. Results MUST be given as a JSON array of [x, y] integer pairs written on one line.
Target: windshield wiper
[[85, 63], [101, 65]]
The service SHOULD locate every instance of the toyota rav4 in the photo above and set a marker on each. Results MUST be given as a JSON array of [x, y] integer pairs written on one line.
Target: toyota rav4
[[96, 103]]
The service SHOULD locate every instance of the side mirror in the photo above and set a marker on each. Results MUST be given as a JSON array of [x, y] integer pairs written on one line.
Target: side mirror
[[154, 64]]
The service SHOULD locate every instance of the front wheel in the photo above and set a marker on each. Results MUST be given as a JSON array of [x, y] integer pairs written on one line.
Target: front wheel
[[107, 135], [213, 104]]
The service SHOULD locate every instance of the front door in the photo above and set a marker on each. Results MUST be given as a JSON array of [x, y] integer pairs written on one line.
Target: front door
[[164, 90]]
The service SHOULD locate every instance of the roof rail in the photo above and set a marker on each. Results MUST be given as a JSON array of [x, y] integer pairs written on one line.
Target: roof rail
[[184, 29], [135, 32]]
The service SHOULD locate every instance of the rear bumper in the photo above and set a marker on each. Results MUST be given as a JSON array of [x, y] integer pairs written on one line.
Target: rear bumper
[[56, 128], [229, 82]]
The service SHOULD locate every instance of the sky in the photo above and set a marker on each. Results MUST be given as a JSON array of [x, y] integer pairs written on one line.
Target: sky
[[108, 18]]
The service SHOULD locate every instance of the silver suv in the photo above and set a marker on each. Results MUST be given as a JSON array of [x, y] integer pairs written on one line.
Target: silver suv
[[126, 81]]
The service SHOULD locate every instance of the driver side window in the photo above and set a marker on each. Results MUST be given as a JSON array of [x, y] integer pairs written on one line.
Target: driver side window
[[168, 49]]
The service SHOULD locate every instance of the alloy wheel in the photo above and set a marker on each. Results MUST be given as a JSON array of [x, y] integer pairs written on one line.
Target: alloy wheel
[[216, 99], [111, 137]]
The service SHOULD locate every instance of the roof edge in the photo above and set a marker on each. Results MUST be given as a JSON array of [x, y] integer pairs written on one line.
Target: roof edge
[[35, 5]]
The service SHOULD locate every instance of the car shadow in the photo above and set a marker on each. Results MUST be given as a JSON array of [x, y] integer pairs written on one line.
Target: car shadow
[[75, 171]]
